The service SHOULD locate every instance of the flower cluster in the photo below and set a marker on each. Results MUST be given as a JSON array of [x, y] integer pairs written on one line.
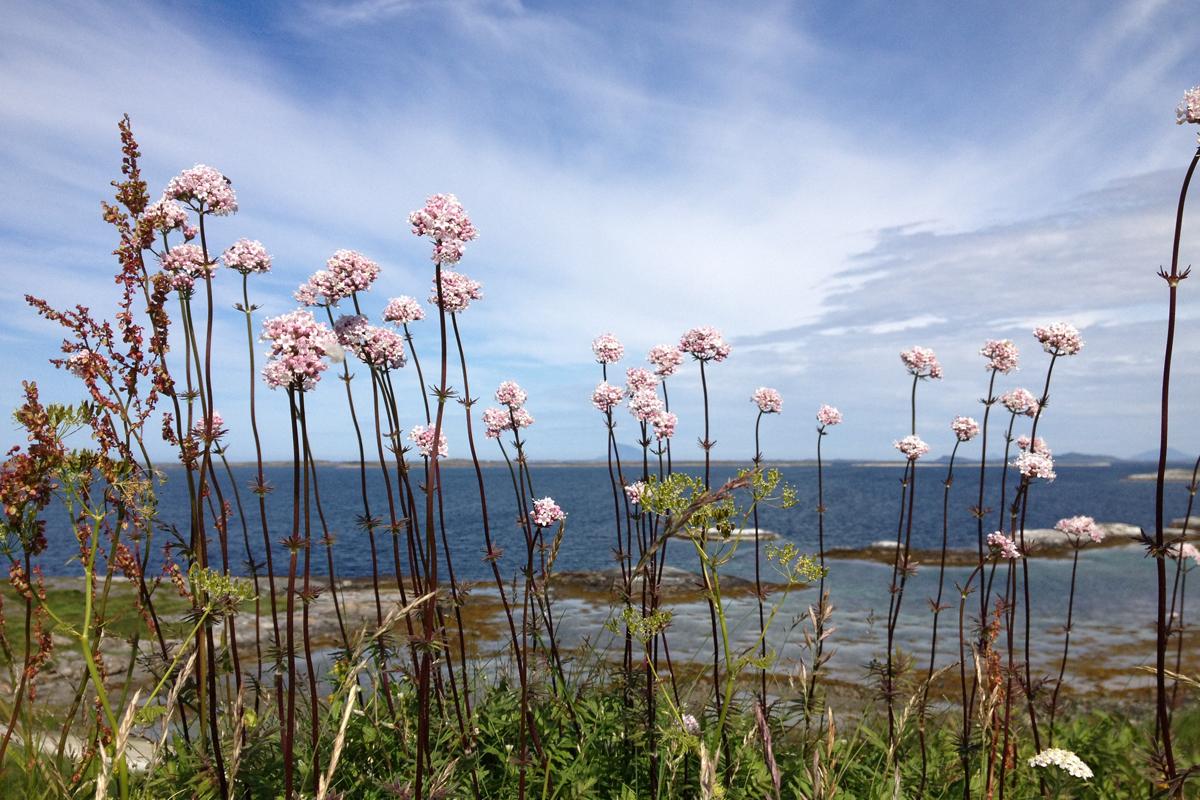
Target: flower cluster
[[457, 291], [645, 405], [422, 437], [705, 344], [299, 345], [664, 423], [546, 512], [1059, 339], [246, 256], [665, 359], [84, 364], [640, 379], [965, 429], [346, 272], [205, 188], [635, 491], [608, 348], [1002, 355], [769, 401], [167, 215], [912, 447], [498, 420], [1189, 107], [510, 394], [1032, 464], [444, 220], [1006, 546], [828, 415], [371, 344], [210, 428], [1020, 401], [1183, 550], [403, 310], [606, 397], [921, 362], [1080, 527], [690, 724], [184, 265], [1038, 445], [1063, 759]]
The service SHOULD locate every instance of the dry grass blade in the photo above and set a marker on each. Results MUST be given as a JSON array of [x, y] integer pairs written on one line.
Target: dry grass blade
[[339, 742], [119, 742]]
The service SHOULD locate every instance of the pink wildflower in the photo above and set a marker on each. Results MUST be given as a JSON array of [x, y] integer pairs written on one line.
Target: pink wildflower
[[639, 379], [1032, 464], [511, 394], [665, 359], [1039, 445], [498, 420], [635, 491], [965, 429], [1020, 401], [606, 397], [705, 344], [1079, 527], [403, 310], [323, 288], [690, 724], [1189, 107], [1183, 550], [607, 348], [422, 437], [352, 270], [664, 423], [457, 291], [445, 222], [371, 344], [769, 401], [1006, 546], [185, 264], [644, 405], [1002, 355], [921, 362], [546, 512], [85, 364], [1059, 339], [912, 447], [205, 189], [246, 256], [298, 346], [209, 429], [828, 415], [165, 216]]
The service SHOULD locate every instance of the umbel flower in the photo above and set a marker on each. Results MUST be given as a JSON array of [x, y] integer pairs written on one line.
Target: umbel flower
[[498, 420], [446, 223], [184, 264], [1059, 339], [769, 401], [1037, 445], [204, 189], [1032, 464], [644, 405], [371, 344], [912, 447], [457, 291], [165, 216], [1065, 760], [546, 512], [422, 437], [210, 428], [247, 256], [606, 397], [634, 492], [510, 394], [1002, 355], [1184, 550], [640, 379], [828, 415], [607, 348], [1189, 107], [1020, 401], [921, 362], [299, 345], [705, 344], [352, 271], [1080, 527], [665, 358], [965, 428], [403, 310], [1003, 545], [664, 423]]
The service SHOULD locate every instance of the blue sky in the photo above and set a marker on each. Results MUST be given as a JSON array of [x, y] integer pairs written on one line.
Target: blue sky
[[828, 183]]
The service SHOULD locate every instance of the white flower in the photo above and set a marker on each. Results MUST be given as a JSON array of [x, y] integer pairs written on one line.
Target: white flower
[[1064, 760]]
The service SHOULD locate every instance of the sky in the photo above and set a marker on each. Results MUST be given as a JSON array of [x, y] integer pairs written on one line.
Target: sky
[[827, 183]]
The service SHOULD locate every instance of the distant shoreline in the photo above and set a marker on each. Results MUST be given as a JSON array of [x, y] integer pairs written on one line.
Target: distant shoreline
[[1173, 474]]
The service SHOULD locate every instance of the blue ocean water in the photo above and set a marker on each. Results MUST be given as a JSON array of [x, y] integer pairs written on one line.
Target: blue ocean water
[[862, 503]]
